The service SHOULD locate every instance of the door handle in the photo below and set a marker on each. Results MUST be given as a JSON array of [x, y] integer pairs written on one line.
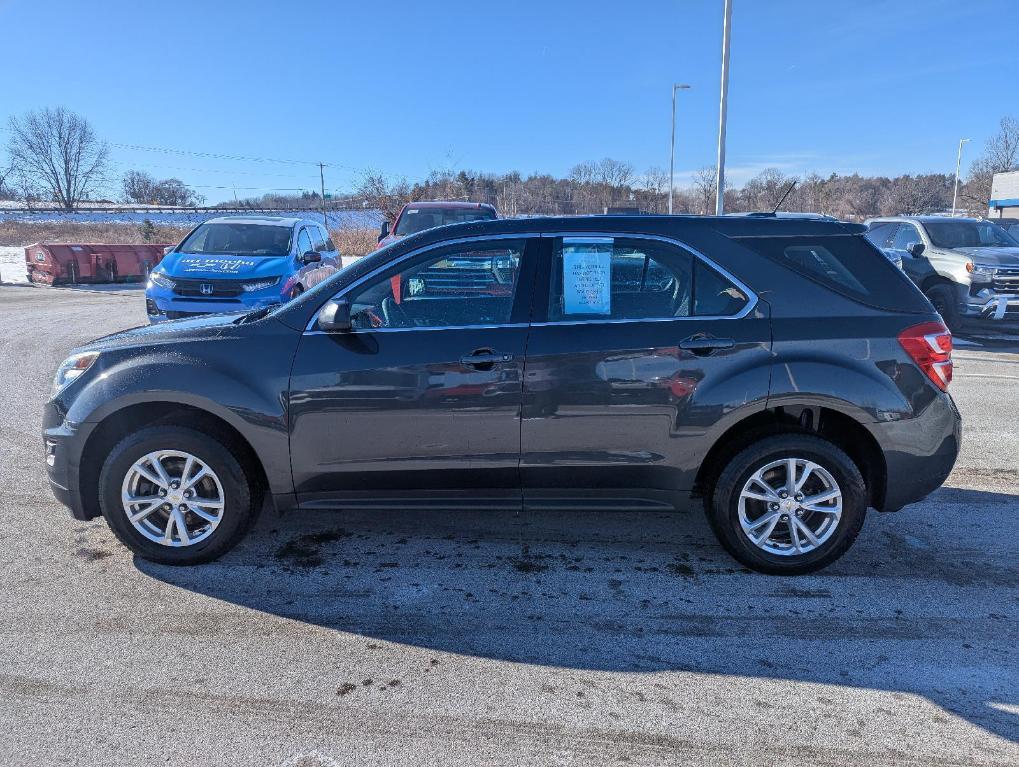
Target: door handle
[[703, 345], [484, 359]]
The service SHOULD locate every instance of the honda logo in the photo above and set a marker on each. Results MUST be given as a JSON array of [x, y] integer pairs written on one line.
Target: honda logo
[[205, 288]]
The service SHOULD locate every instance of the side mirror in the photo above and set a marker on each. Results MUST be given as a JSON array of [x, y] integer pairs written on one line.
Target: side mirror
[[383, 231], [915, 249], [334, 317], [311, 257]]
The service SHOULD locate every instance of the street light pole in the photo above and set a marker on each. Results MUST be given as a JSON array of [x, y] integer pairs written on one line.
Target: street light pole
[[672, 154], [722, 108], [958, 165]]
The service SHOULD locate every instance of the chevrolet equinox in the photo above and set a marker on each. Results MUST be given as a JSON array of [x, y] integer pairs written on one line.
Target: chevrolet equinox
[[782, 372]]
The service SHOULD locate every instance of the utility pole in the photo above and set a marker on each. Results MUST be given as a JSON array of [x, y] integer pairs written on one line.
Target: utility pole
[[722, 108], [672, 153], [322, 191], [958, 165]]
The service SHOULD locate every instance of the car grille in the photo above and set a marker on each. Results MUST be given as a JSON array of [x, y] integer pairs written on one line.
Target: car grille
[[219, 288], [1006, 280]]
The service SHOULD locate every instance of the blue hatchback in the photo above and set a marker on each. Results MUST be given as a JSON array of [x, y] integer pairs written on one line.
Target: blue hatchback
[[240, 263]]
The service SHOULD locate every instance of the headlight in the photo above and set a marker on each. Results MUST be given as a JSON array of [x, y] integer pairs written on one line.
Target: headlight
[[254, 285], [70, 369], [160, 279], [981, 272]]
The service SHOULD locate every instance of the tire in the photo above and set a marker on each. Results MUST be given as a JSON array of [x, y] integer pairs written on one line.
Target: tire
[[943, 298], [226, 484], [835, 533]]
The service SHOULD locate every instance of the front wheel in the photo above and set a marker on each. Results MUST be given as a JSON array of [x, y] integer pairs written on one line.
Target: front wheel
[[788, 504], [175, 496], [942, 297]]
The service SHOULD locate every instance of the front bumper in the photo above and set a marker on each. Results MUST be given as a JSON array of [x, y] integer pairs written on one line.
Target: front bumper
[[919, 452], [63, 443], [162, 304], [997, 307]]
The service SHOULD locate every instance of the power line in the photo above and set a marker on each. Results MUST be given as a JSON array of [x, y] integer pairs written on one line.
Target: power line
[[218, 155], [146, 166]]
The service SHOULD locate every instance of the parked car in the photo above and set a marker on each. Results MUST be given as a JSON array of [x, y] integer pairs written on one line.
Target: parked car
[[417, 216], [967, 267], [780, 372], [239, 263]]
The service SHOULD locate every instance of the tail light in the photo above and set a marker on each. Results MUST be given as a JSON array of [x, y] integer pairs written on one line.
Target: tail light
[[930, 347]]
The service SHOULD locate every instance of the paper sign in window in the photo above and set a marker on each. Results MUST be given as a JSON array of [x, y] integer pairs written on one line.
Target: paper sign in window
[[587, 275]]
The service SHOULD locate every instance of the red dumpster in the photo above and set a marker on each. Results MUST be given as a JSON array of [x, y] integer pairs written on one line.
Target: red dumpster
[[60, 263]]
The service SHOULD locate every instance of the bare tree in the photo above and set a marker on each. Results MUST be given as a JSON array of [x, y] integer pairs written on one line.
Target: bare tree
[[704, 186], [1001, 153], [928, 193], [387, 196], [58, 151], [139, 187], [764, 191], [6, 177], [614, 172], [655, 185], [142, 189]]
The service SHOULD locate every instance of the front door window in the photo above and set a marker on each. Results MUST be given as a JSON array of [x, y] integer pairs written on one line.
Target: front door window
[[463, 286]]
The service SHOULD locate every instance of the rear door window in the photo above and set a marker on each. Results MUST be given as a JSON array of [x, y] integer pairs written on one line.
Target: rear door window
[[847, 264], [715, 295], [605, 278]]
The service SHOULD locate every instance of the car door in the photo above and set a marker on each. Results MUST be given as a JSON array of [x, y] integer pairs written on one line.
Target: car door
[[421, 401], [642, 349]]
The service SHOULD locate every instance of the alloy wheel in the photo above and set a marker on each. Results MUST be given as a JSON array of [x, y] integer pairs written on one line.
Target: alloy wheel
[[173, 498], [790, 506]]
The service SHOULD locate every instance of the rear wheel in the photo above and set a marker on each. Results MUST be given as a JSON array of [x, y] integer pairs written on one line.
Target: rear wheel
[[175, 496], [788, 504], [943, 298]]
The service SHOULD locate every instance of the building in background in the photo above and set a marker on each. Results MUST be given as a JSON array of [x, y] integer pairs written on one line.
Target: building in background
[[1004, 195]]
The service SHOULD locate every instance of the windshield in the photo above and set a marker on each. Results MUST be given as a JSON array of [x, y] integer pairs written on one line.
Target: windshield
[[418, 219], [238, 239], [969, 234]]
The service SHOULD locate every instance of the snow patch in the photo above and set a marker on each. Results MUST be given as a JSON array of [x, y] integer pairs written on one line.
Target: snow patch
[[12, 265]]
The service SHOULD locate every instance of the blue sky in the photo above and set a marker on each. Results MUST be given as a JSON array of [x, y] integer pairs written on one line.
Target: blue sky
[[872, 86]]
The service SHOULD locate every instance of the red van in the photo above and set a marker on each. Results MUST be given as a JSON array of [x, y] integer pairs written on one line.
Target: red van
[[417, 216]]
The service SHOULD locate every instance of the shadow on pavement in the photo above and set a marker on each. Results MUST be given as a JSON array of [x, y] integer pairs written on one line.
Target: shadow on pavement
[[924, 604]]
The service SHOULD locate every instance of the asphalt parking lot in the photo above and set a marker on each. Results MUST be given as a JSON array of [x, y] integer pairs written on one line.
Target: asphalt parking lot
[[467, 638]]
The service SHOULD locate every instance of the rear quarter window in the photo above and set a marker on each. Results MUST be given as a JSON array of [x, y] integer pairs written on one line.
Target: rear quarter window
[[848, 264]]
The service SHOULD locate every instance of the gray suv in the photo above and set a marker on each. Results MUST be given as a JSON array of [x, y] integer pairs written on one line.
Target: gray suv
[[779, 373], [967, 267]]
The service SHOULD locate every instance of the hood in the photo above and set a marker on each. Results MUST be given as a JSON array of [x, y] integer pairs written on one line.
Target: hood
[[200, 266], [173, 331], [992, 256]]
